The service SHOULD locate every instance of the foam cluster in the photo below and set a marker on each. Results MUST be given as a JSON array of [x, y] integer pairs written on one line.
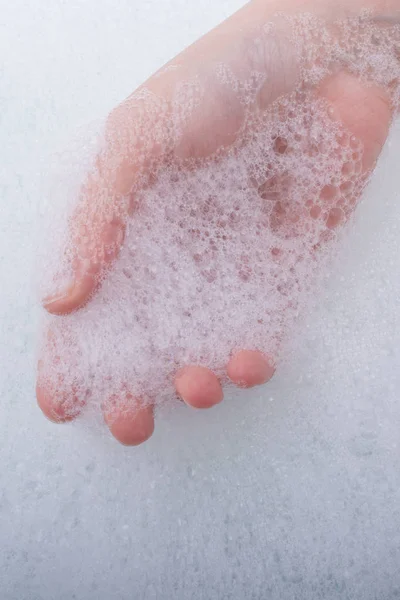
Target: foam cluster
[[237, 204]]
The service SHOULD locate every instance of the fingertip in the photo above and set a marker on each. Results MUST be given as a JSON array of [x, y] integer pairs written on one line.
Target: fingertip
[[198, 387], [88, 271], [55, 408], [75, 296], [131, 424], [249, 368]]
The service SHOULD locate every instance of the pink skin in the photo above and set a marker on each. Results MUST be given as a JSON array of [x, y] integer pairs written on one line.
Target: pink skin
[[249, 368], [366, 112], [120, 422], [198, 387]]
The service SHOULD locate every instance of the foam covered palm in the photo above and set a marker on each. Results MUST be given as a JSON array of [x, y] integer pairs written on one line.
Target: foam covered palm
[[219, 186]]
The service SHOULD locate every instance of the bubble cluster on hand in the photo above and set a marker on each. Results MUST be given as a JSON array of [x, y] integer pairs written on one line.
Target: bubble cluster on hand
[[222, 252]]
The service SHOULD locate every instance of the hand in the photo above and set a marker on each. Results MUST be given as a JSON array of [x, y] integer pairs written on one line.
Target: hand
[[134, 137]]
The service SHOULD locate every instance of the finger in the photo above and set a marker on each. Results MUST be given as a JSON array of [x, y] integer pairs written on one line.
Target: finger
[[61, 400], [130, 420], [57, 403], [98, 223], [198, 387], [57, 407], [89, 266], [249, 368], [364, 113], [365, 110], [96, 233]]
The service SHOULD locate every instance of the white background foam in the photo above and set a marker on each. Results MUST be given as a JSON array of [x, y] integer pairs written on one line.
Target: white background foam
[[289, 492]]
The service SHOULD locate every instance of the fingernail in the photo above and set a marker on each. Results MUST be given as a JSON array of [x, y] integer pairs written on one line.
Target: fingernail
[[76, 293], [87, 269], [53, 302]]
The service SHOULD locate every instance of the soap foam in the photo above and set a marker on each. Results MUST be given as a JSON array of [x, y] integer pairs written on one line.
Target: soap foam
[[222, 251]]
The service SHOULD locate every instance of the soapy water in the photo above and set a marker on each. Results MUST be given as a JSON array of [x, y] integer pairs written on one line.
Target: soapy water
[[224, 245], [291, 491]]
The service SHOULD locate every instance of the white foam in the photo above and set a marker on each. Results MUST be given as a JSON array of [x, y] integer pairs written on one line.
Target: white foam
[[290, 491], [220, 251]]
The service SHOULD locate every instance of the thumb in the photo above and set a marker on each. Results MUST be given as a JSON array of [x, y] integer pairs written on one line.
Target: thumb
[[96, 233], [97, 226]]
